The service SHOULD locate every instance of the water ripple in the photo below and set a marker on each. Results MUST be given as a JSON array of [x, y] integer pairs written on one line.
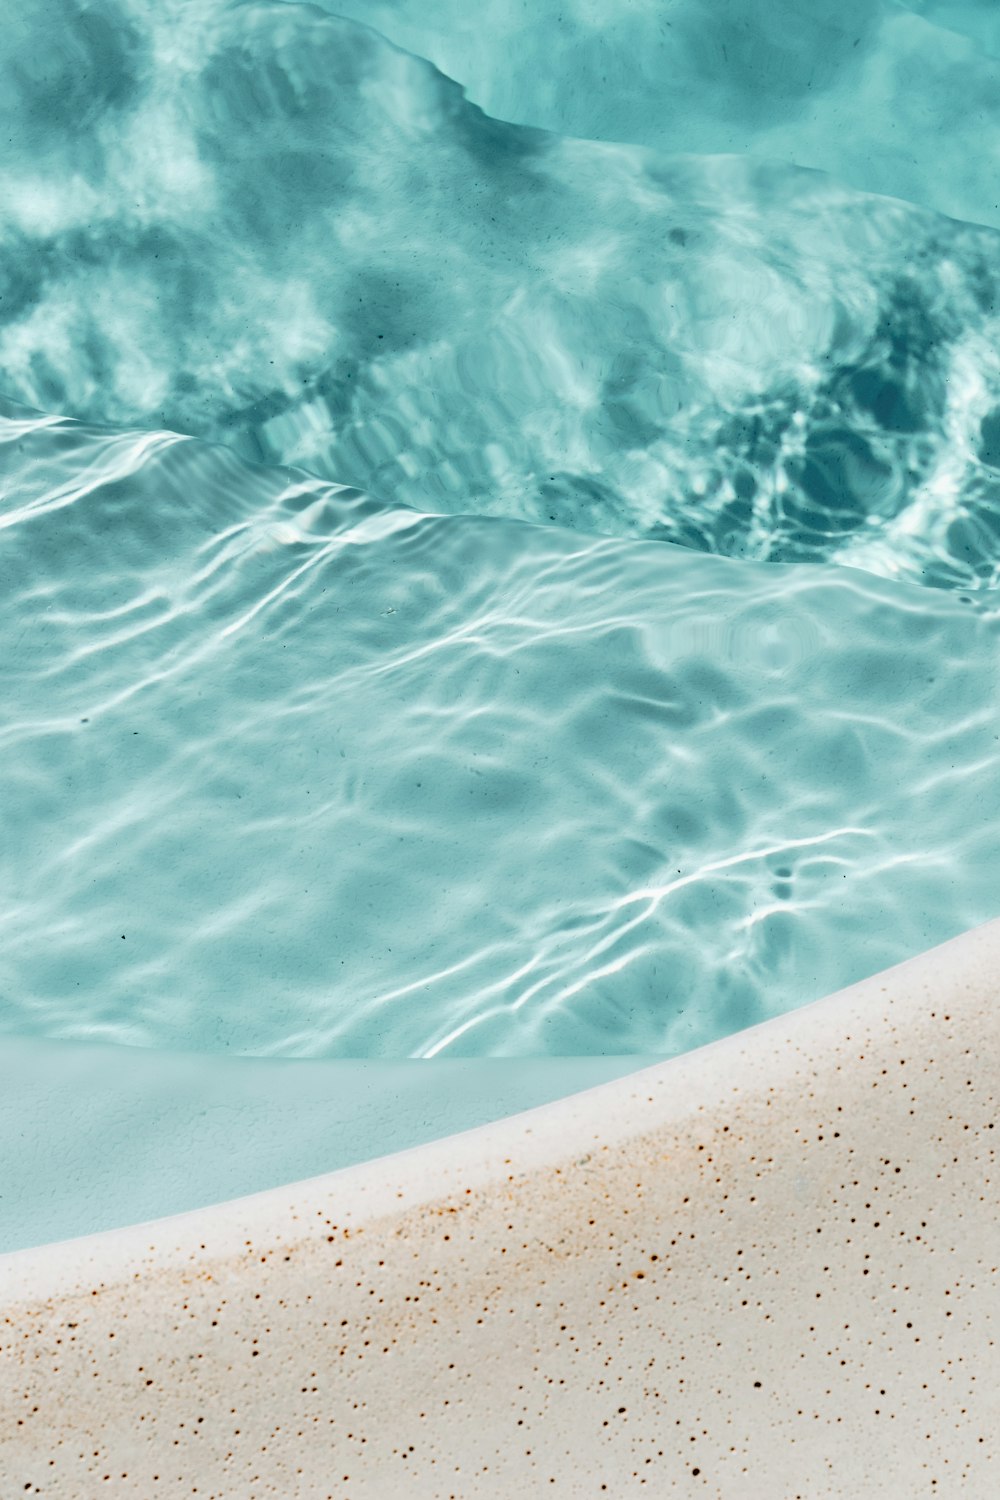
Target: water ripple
[[892, 96], [289, 771], [311, 746], [279, 231]]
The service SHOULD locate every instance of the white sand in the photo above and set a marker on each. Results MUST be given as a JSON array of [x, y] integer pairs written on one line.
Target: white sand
[[765, 1269]]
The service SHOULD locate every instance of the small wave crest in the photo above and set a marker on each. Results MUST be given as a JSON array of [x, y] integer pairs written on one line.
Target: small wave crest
[[291, 772], [280, 231]]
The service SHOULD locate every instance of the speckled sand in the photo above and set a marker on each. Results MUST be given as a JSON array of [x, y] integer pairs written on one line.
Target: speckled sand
[[762, 1270]]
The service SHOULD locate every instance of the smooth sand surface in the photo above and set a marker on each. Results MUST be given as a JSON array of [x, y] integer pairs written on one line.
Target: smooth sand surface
[[762, 1270]]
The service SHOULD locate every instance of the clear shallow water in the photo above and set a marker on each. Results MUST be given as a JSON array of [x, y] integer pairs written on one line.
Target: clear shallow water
[[893, 96], [97, 1137], [291, 772], [280, 231], [299, 767]]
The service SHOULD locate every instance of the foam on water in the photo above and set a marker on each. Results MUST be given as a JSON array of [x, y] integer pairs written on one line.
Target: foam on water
[[346, 759]]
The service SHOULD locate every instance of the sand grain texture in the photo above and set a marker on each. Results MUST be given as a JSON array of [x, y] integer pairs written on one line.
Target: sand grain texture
[[766, 1268]]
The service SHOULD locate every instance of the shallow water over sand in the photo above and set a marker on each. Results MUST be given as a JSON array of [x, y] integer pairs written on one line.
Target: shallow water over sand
[[292, 772], [616, 663]]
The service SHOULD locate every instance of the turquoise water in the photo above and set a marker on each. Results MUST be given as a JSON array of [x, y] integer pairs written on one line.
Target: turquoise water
[[891, 96], [492, 586], [97, 1137]]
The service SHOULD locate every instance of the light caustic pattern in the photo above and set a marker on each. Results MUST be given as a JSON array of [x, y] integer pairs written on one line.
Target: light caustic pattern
[[483, 590], [290, 771]]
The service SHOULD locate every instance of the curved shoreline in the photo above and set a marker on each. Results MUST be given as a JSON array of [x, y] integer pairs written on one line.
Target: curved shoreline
[[762, 1268]]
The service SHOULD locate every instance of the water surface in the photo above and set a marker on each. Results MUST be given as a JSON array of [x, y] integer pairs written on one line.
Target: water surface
[[491, 584]]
